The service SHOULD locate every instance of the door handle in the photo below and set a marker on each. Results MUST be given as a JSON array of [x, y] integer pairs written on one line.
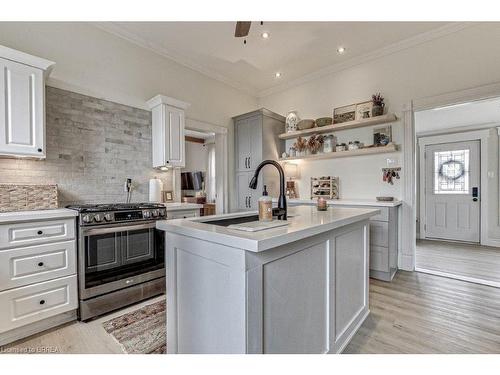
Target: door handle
[[249, 203], [475, 199], [249, 162], [246, 164], [246, 202]]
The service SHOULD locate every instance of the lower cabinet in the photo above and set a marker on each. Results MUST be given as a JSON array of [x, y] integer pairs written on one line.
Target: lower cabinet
[[38, 281], [183, 214], [28, 304]]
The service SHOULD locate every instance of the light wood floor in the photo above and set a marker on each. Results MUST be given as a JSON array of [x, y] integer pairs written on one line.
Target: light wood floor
[[466, 261], [416, 313], [77, 337]]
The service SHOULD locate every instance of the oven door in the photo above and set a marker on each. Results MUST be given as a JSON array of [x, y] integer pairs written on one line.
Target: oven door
[[117, 256]]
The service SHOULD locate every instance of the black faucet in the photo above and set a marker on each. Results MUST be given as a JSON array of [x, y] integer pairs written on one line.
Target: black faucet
[[281, 211]]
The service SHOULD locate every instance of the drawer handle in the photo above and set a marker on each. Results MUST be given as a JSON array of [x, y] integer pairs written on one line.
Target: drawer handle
[[42, 302], [40, 264], [39, 232]]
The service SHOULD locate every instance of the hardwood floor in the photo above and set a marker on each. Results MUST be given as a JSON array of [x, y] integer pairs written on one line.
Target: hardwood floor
[[415, 313], [422, 313], [465, 261], [76, 337]]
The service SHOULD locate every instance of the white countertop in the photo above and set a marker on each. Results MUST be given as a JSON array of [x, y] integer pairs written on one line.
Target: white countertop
[[346, 202], [178, 206], [58, 213], [304, 221]]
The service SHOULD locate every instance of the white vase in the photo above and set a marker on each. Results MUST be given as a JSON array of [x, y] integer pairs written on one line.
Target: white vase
[[292, 119]]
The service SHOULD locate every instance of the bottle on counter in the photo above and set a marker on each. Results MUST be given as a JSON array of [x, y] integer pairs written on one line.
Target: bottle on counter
[[265, 206], [322, 204]]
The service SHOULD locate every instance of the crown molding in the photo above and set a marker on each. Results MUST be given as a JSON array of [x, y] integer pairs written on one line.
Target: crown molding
[[358, 60], [120, 32]]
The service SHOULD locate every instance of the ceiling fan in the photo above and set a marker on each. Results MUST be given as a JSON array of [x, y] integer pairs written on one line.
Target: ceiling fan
[[242, 29]]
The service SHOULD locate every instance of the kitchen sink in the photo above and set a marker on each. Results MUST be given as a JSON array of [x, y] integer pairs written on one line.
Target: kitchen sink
[[236, 220]]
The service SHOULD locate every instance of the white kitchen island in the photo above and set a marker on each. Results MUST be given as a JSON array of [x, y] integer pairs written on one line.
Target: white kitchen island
[[302, 288]]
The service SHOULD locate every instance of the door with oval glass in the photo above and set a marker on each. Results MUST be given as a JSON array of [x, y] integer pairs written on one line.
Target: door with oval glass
[[452, 191]]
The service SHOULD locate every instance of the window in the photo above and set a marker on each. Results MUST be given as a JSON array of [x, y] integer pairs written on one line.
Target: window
[[451, 172]]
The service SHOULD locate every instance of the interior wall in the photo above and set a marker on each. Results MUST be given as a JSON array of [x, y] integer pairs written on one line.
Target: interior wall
[[93, 62], [451, 63], [196, 157]]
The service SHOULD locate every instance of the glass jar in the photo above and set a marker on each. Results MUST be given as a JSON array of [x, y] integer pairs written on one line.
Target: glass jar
[[330, 143]]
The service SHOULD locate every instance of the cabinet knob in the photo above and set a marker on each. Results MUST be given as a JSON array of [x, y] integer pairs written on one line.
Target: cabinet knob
[[40, 264], [39, 232], [39, 150], [42, 302]]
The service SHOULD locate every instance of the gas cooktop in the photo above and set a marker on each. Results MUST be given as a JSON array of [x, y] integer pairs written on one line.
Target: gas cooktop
[[114, 207], [100, 214]]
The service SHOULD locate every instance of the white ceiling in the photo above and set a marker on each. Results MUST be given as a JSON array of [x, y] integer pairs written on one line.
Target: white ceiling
[[296, 49], [456, 116]]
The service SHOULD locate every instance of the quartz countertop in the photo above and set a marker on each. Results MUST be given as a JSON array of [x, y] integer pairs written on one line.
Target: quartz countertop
[[304, 221], [15, 216], [178, 206], [346, 202]]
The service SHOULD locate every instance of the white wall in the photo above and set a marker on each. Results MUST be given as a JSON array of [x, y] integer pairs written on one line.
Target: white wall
[[94, 62], [196, 157], [454, 62]]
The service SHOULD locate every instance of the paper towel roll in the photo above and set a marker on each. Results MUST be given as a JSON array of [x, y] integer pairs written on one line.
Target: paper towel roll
[[155, 188]]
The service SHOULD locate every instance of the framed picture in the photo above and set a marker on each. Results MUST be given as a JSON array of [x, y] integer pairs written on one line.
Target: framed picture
[[344, 114], [364, 110], [168, 196]]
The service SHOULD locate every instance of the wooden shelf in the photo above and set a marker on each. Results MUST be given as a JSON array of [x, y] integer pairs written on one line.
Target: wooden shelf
[[345, 154], [390, 117]]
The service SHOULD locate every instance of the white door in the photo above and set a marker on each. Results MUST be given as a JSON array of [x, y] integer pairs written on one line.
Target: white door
[[452, 191], [21, 110]]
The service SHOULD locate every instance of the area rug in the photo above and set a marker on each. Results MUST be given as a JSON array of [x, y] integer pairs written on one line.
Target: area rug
[[142, 331]]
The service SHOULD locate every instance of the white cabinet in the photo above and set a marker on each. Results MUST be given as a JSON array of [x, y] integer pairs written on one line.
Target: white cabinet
[[22, 103], [247, 199], [37, 275], [183, 214], [168, 131]]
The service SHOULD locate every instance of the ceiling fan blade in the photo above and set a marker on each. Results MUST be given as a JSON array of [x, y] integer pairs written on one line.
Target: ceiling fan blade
[[242, 28]]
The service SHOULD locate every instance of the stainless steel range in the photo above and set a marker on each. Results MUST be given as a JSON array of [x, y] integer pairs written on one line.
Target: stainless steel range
[[121, 258]]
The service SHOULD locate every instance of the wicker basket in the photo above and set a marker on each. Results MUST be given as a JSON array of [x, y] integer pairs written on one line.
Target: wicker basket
[[27, 197]]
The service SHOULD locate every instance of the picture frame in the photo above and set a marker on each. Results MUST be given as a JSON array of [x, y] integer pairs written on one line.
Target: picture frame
[[344, 114], [364, 110], [168, 196]]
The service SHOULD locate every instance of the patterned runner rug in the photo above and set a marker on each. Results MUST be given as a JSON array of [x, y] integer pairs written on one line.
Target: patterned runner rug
[[142, 331]]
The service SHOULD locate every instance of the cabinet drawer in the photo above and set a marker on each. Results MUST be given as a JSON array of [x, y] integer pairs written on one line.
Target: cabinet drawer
[[33, 264], [35, 232], [32, 303], [182, 214], [379, 258], [379, 233]]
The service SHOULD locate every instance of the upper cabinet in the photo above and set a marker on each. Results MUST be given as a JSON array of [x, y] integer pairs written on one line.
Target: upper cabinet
[[22, 103], [168, 131]]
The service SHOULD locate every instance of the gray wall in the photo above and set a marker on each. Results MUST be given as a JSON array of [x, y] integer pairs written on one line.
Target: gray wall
[[93, 145]]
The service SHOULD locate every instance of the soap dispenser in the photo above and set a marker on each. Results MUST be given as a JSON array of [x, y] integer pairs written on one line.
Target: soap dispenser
[[265, 206]]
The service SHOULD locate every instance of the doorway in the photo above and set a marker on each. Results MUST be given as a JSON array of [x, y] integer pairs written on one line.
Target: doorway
[[451, 191]]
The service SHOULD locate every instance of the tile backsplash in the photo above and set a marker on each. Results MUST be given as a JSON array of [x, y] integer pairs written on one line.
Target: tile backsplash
[[93, 145]]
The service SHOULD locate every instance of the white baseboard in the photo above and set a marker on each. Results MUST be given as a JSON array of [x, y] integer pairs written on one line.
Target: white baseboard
[[459, 277]]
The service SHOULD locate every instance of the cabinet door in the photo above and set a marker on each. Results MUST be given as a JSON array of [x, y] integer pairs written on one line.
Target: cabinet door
[[255, 139], [174, 142], [243, 144], [21, 110], [243, 191]]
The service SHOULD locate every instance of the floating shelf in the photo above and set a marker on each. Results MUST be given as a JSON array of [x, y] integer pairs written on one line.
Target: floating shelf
[[345, 154], [390, 117]]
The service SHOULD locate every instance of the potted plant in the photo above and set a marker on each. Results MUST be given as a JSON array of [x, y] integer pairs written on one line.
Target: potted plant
[[378, 105], [315, 143], [300, 145]]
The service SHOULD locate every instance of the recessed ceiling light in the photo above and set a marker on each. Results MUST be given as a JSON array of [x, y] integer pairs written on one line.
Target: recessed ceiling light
[[277, 75], [265, 35], [340, 50]]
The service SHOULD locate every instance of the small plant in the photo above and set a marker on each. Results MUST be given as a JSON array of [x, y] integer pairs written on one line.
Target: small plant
[[378, 100], [315, 143], [300, 144]]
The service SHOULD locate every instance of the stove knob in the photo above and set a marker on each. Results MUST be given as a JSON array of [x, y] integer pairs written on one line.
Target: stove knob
[[97, 218], [108, 217], [162, 213], [154, 213], [86, 218], [147, 214]]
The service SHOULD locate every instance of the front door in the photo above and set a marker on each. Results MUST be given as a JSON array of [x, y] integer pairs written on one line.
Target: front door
[[452, 201]]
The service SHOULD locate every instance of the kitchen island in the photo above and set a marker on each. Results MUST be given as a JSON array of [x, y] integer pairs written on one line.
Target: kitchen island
[[300, 288]]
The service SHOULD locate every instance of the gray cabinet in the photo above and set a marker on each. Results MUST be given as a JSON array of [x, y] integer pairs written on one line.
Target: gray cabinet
[[256, 139]]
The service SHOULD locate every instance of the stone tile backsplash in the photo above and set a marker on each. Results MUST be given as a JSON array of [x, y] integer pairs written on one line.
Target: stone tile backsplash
[[93, 145]]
